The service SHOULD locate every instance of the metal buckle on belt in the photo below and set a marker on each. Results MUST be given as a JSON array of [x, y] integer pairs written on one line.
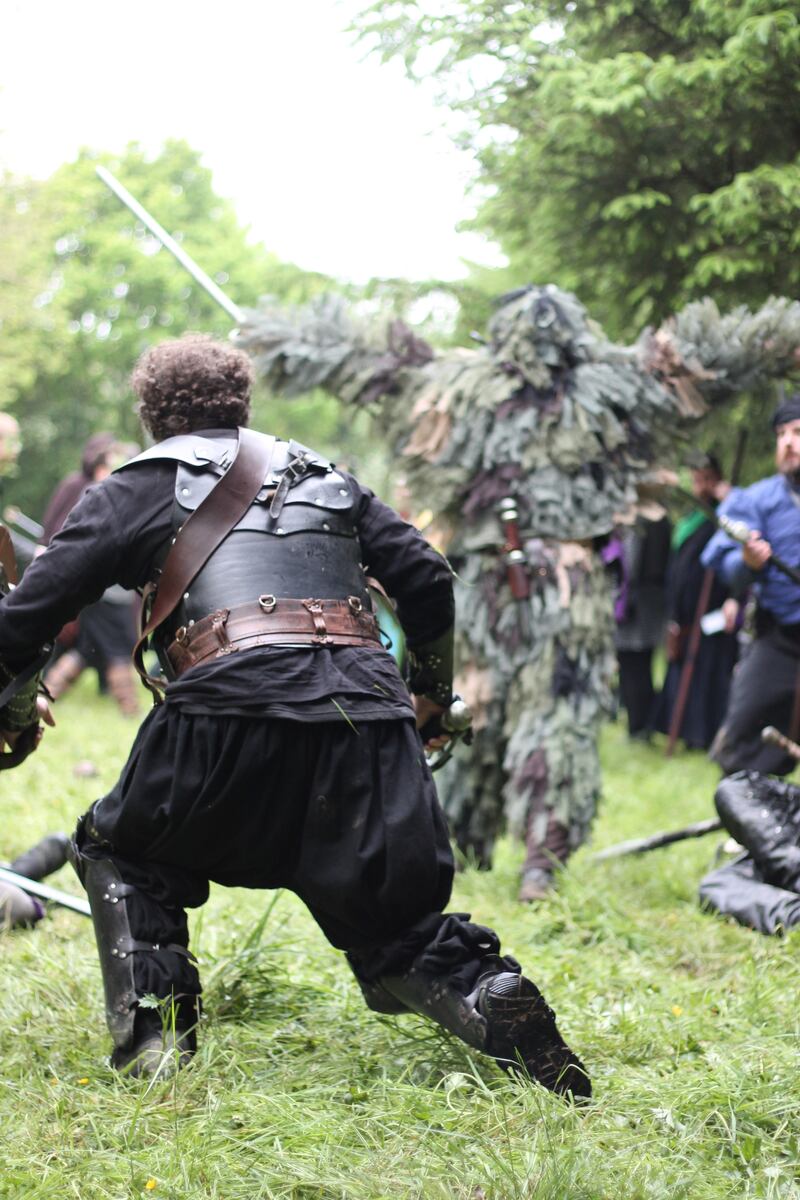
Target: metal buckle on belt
[[218, 622], [267, 603], [320, 637]]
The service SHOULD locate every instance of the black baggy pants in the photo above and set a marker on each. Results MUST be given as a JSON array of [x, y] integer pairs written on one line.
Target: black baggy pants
[[347, 818], [763, 692]]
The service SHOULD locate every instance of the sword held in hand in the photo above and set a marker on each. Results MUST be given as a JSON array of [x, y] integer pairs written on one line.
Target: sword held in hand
[[740, 532], [457, 721]]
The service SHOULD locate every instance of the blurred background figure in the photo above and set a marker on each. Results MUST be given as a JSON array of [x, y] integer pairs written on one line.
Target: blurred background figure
[[21, 528], [707, 697], [104, 635], [637, 555], [18, 909], [10, 444]]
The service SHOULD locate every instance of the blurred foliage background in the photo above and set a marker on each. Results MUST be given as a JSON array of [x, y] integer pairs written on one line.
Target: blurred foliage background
[[641, 153]]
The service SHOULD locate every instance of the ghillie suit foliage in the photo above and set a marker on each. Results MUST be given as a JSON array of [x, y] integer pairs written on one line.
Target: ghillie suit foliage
[[552, 413]]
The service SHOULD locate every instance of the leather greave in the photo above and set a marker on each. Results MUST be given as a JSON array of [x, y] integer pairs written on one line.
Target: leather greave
[[115, 944]]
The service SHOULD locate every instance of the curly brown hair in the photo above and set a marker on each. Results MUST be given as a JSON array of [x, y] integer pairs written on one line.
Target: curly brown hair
[[192, 382]]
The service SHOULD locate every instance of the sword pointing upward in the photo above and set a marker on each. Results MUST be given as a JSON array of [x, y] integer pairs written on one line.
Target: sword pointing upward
[[187, 262]]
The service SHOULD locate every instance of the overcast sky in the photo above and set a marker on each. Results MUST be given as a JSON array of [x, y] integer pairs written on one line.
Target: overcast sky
[[338, 163]]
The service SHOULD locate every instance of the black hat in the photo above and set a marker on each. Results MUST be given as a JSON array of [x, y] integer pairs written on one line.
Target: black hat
[[788, 410]]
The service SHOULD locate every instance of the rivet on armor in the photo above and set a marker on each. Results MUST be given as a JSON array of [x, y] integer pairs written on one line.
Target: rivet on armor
[[184, 491], [326, 527], [280, 531], [186, 595], [342, 491]]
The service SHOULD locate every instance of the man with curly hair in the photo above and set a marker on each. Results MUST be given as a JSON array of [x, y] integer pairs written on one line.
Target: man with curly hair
[[285, 752]]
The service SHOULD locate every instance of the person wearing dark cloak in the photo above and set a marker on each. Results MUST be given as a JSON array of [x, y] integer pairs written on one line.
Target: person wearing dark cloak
[[641, 553], [104, 635], [716, 652], [286, 751]]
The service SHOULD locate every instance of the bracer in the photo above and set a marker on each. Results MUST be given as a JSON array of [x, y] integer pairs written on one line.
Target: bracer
[[20, 710], [431, 673]]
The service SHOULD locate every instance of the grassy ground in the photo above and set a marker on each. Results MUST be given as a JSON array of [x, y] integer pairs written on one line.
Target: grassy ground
[[688, 1025]]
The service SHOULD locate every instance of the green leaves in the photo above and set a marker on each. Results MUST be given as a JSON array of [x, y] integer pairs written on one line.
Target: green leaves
[[87, 288], [643, 152]]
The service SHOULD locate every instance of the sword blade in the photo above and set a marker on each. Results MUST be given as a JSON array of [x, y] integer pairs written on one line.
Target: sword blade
[[43, 890]]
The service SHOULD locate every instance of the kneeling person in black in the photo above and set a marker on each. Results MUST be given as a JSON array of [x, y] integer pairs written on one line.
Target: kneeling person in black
[[285, 753]]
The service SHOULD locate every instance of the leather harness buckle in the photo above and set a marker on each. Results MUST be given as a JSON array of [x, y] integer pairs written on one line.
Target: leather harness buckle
[[218, 622], [182, 635], [356, 607], [320, 628]]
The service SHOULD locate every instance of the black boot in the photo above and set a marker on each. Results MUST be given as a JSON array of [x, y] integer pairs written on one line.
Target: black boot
[[504, 1016], [763, 814], [159, 1045], [523, 1036]]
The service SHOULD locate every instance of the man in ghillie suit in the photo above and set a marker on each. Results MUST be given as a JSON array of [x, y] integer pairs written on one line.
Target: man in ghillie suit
[[550, 415], [286, 752]]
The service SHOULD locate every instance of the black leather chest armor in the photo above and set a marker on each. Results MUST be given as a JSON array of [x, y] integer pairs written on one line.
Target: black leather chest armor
[[310, 548]]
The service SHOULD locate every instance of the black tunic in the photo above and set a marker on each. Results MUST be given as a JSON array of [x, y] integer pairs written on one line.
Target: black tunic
[[294, 767]]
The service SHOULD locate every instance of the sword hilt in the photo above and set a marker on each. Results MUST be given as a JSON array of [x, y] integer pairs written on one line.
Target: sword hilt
[[774, 737], [457, 721]]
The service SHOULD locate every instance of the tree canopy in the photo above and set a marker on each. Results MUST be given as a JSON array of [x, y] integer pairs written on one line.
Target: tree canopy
[[86, 288], [640, 153]]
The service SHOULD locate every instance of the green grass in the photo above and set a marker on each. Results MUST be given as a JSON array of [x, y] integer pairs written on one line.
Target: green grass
[[689, 1026]]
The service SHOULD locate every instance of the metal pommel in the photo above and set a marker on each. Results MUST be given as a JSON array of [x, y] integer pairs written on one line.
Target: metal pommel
[[457, 719]]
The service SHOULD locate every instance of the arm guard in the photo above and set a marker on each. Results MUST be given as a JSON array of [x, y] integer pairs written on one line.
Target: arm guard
[[20, 710], [431, 673]]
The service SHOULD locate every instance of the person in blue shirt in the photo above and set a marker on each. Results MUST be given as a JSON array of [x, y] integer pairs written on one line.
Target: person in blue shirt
[[765, 687]]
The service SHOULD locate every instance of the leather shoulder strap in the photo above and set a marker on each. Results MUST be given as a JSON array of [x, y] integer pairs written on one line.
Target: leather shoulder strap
[[205, 529]]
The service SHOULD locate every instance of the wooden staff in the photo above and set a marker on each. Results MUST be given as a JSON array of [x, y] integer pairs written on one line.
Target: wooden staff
[[687, 671]]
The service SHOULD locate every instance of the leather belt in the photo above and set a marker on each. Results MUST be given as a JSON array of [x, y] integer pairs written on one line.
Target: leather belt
[[270, 621]]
